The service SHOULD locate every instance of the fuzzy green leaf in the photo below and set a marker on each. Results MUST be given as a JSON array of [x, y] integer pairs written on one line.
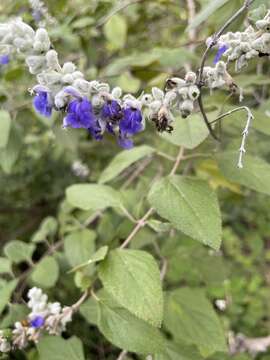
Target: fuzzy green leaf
[[127, 331], [189, 316], [190, 205], [46, 272], [56, 348], [93, 196], [132, 278], [123, 160], [18, 251], [255, 174]]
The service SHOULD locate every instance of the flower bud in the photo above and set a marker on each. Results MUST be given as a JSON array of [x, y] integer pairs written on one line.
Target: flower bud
[[186, 108]]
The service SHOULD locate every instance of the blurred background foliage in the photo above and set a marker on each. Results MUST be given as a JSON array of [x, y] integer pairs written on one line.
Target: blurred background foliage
[[136, 45]]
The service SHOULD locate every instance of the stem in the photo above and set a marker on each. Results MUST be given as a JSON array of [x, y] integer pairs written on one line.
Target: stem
[[142, 221], [214, 41]]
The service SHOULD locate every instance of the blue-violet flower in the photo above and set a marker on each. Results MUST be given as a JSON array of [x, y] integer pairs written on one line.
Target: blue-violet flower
[[42, 103], [222, 49], [80, 114], [37, 322]]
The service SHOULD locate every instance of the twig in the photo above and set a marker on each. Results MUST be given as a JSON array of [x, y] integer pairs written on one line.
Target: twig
[[214, 41], [142, 221], [81, 300], [245, 132]]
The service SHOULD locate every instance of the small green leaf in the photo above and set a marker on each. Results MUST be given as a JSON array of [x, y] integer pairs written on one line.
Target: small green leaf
[[123, 160], [125, 330], [254, 175], [5, 125], [18, 251], [189, 316], [92, 196], [5, 266], [6, 290], [116, 31], [16, 312], [79, 246], [46, 272], [191, 206], [189, 132], [207, 11], [99, 255], [47, 228], [10, 154], [132, 278], [56, 348]]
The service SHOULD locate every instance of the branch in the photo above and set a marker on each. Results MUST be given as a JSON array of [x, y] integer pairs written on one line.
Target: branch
[[214, 41], [245, 132]]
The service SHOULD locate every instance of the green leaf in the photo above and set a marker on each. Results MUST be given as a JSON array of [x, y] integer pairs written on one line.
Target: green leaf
[[92, 196], [6, 290], [254, 175], [46, 272], [123, 160], [132, 278], [99, 255], [5, 125], [5, 266], [190, 205], [189, 132], [179, 351], [56, 348], [16, 312], [47, 228], [207, 11], [116, 31], [79, 246], [10, 154], [189, 316], [89, 311], [127, 331], [18, 251]]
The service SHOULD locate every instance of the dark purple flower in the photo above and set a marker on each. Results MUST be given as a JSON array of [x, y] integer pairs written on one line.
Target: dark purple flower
[[131, 122], [222, 49], [95, 131], [4, 59], [37, 322], [80, 114], [42, 103], [112, 110]]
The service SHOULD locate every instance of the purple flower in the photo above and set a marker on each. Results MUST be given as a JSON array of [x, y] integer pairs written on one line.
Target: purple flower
[[4, 59], [37, 322], [80, 114], [222, 49], [42, 103], [112, 110], [131, 122]]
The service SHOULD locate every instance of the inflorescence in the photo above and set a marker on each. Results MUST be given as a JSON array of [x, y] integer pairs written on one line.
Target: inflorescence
[[93, 106], [44, 317]]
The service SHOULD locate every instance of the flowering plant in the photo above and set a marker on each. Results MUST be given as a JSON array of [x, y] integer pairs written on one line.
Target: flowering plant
[[123, 239]]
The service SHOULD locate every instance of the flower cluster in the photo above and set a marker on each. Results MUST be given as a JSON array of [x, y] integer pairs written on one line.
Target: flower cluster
[[244, 46], [92, 105], [44, 317]]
